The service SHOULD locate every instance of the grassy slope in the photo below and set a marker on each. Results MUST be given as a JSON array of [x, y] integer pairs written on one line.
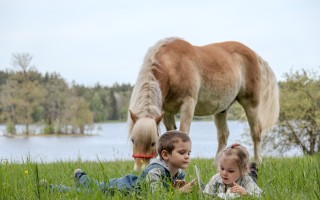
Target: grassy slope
[[280, 178]]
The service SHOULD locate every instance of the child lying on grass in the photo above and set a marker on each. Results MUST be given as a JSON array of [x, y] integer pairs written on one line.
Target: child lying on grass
[[174, 149], [233, 179]]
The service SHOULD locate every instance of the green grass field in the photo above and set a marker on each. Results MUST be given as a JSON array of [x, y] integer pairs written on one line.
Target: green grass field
[[280, 178]]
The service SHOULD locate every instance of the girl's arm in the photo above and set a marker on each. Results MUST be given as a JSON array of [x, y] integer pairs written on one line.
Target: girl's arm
[[251, 187], [212, 187], [238, 189]]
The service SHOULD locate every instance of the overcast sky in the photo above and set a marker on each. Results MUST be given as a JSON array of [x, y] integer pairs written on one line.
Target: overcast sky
[[90, 41]]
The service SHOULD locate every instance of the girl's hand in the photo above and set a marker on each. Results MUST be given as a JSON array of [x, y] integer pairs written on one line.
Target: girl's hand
[[188, 187], [238, 189]]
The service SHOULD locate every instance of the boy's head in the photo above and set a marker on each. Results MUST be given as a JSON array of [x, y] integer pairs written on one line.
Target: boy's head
[[168, 141]]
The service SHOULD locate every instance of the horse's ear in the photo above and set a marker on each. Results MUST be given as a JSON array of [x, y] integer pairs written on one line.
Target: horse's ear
[[133, 116], [159, 118]]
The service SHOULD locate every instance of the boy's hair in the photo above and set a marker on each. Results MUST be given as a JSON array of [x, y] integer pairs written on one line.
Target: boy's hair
[[168, 140], [241, 156]]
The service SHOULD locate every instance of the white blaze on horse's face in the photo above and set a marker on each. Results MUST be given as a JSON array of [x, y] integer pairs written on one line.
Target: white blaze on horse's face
[[143, 137], [140, 163]]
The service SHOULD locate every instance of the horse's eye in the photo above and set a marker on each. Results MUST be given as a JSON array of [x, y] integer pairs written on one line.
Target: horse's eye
[[132, 141], [153, 144]]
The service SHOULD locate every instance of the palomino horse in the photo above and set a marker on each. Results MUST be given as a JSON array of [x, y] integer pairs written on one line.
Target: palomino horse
[[177, 77]]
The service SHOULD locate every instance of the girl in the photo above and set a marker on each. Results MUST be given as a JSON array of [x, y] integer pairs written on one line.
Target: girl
[[233, 179]]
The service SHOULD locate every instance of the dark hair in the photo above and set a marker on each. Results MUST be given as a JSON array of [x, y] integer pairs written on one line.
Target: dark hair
[[169, 139], [241, 154]]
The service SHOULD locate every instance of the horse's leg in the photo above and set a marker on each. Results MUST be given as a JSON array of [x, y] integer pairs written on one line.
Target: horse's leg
[[169, 121], [186, 114], [255, 131], [220, 120], [255, 128]]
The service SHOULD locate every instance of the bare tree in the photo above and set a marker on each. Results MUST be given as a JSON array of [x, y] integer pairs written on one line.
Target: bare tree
[[22, 61], [299, 121]]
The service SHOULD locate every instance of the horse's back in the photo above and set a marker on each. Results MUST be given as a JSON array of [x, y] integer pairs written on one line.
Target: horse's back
[[247, 63], [212, 74], [208, 65]]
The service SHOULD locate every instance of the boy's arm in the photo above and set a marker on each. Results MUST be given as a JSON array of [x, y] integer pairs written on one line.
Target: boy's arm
[[154, 179], [188, 187]]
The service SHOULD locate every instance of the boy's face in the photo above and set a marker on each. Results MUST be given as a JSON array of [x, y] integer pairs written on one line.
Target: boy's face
[[229, 170], [179, 157]]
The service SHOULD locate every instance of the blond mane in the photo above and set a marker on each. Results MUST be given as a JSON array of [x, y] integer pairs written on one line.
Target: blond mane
[[146, 98]]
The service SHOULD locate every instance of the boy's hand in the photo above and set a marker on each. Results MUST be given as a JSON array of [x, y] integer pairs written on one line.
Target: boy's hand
[[238, 189], [188, 187], [179, 183]]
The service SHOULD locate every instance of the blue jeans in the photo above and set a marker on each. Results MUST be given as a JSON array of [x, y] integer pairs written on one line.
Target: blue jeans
[[126, 184]]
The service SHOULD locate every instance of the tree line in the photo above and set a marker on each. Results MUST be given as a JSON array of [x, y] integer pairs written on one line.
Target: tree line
[[28, 97]]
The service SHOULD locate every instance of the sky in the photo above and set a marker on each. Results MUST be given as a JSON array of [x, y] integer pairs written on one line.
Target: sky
[[104, 41]]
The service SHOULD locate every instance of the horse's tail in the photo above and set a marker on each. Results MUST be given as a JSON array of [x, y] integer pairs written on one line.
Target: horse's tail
[[268, 111]]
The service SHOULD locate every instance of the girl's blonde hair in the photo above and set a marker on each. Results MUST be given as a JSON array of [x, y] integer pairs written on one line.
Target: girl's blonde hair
[[241, 155]]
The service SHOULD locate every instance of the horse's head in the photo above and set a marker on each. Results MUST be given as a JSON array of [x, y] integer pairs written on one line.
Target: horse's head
[[144, 136]]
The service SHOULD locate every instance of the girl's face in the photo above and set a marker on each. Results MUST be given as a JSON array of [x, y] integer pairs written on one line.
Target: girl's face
[[229, 169]]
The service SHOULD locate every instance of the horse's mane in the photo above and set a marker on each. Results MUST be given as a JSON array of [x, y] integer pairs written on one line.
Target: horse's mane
[[146, 98]]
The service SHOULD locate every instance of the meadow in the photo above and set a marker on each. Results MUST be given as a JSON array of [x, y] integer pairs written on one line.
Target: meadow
[[280, 178]]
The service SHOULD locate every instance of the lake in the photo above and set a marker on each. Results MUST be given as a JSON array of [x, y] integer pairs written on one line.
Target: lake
[[109, 142]]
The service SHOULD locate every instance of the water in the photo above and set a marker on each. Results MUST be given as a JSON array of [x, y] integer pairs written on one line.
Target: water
[[108, 143]]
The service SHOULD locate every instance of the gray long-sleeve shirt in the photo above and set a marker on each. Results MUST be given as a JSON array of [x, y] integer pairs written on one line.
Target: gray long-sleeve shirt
[[216, 186]]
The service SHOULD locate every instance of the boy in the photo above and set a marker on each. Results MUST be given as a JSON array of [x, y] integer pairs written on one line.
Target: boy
[[174, 148]]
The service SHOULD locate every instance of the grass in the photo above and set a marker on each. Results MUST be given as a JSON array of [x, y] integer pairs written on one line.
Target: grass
[[280, 178]]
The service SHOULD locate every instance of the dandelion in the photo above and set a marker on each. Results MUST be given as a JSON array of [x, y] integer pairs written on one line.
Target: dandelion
[[26, 172], [4, 161]]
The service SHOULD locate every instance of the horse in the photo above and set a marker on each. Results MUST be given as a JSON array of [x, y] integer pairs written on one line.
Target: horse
[[178, 77]]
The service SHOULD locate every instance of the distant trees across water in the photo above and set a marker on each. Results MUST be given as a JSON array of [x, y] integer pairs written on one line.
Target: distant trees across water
[[29, 97]]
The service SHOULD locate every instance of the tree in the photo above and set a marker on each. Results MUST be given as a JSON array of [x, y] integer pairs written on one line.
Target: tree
[[8, 104], [4, 76], [299, 121], [122, 99], [28, 93], [56, 93], [112, 106], [22, 61], [78, 114], [96, 105], [29, 96]]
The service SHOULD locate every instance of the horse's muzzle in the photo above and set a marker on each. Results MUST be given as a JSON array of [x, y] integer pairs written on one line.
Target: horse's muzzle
[[144, 156]]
